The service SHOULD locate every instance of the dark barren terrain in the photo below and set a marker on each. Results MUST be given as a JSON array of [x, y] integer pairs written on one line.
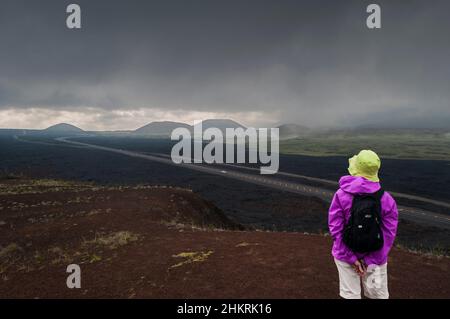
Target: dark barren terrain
[[163, 242], [183, 233], [248, 204]]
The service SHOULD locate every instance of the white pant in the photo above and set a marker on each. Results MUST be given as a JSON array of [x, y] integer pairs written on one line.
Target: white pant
[[374, 281]]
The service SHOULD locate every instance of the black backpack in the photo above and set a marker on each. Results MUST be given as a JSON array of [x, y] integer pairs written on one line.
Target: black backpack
[[363, 234]]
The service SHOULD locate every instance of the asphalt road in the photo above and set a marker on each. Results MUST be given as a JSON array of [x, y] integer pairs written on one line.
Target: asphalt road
[[277, 182]]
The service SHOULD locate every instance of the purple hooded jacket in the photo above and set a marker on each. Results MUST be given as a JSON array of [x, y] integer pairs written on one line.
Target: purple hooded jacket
[[339, 215]]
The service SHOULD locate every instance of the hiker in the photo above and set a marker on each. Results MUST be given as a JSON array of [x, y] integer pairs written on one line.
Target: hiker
[[363, 223]]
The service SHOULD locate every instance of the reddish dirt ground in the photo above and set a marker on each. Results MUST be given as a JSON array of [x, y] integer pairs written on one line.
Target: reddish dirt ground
[[158, 242]]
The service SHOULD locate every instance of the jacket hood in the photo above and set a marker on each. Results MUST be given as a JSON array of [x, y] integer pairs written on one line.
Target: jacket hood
[[358, 185]]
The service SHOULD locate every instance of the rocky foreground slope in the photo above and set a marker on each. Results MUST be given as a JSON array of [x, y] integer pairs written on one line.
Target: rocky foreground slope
[[159, 242]]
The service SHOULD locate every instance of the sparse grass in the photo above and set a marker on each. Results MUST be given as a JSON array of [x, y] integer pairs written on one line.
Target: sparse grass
[[11, 248], [245, 244], [59, 255], [80, 200], [113, 240], [436, 251], [39, 186], [9, 256], [174, 224], [26, 262], [192, 257], [95, 258], [52, 183], [180, 225], [15, 184]]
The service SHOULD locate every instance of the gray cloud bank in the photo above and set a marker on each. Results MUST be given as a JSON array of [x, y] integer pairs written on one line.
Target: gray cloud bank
[[310, 62]]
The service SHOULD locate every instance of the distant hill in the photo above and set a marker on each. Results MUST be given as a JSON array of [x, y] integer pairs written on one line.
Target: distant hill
[[288, 131], [163, 128], [221, 124], [63, 128]]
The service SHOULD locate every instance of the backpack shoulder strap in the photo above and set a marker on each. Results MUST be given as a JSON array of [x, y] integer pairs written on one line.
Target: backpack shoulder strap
[[378, 194]]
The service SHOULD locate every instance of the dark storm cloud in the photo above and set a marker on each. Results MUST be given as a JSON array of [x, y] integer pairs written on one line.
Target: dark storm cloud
[[314, 62]]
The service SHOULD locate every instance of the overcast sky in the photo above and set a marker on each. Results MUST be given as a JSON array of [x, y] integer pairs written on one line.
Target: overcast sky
[[258, 62]]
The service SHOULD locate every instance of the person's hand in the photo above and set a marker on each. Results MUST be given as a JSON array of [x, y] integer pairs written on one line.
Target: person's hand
[[359, 267]]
